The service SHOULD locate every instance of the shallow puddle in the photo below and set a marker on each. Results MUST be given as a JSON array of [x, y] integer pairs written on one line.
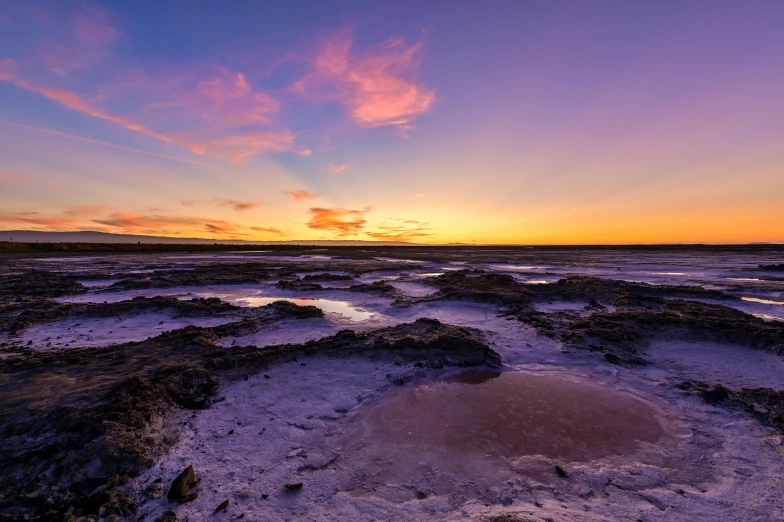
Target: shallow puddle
[[240, 296], [513, 414], [343, 308], [762, 301]]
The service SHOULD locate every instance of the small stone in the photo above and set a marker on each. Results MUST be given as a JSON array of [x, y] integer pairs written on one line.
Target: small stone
[[561, 472], [296, 486], [180, 488], [295, 453], [223, 506]]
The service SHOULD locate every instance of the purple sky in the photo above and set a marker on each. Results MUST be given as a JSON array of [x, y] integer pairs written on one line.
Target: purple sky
[[511, 122]]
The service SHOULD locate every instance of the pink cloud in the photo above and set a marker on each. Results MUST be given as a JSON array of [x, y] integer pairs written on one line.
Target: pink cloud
[[76, 102], [239, 147], [86, 218], [337, 168], [208, 110], [32, 218], [301, 195], [136, 223], [378, 87], [235, 148], [208, 94], [341, 221]]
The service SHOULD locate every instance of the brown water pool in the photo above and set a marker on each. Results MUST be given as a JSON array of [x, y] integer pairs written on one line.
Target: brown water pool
[[514, 413]]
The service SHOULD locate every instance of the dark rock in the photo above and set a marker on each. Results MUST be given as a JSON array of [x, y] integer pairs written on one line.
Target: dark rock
[[327, 277], [378, 287], [181, 486], [716, 394], [561, 472], [296, 486], [298, 285], [287, 309], [168, 516]]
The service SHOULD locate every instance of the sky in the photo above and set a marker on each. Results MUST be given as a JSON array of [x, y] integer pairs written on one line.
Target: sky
[[493, 122]]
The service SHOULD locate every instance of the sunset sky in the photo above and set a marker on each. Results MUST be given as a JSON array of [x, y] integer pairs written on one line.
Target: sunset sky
[[434, 122]]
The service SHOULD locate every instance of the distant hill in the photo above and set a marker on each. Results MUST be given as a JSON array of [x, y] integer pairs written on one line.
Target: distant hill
[[88, 236]]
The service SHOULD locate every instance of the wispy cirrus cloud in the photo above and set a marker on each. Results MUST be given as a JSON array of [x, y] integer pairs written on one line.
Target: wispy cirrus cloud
[[211, 138], [416, 196], [337, 168], [234, 204], [339, 220], [206, 94], [240, 147], [102, 218], [99, 142], [301, 195], [270, 230], [378, 86], [35, 218], [135, 223], [206, 109]]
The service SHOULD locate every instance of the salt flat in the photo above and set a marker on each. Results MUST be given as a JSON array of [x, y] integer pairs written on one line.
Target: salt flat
[[262, 370]]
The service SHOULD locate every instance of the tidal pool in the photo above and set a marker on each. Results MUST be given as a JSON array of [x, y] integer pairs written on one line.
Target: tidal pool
[[513, 414]]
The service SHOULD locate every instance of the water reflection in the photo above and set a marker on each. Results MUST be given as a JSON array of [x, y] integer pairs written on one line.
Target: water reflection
[[343, 308], [762, 301]]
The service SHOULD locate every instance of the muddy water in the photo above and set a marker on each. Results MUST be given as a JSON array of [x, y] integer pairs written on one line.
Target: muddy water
[[514, 414]]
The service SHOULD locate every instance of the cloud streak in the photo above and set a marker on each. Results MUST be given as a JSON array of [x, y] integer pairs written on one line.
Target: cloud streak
[[33, 218], [338, 220], [206, 109], [337, 168], [87, 217], [235, 148], [400, 230], [301, 195], [269, 230], [236, 205], [99, 142], [134, 223]]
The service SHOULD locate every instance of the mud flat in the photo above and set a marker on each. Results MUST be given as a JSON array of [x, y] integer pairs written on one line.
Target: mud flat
[[392, 384]]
